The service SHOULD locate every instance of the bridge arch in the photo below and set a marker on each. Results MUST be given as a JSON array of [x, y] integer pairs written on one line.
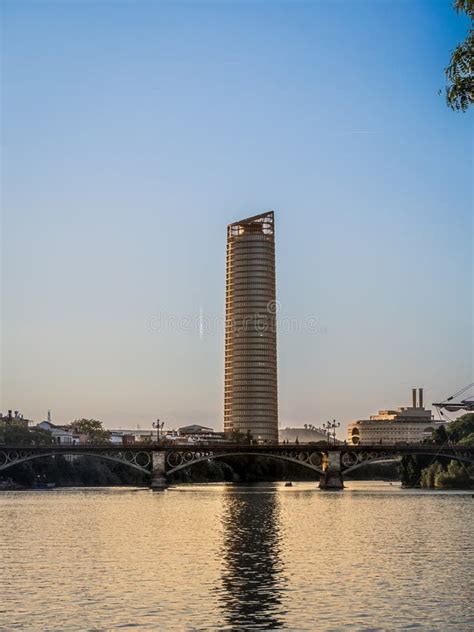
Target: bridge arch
[[385, 458], [212, 457], [6, 460]]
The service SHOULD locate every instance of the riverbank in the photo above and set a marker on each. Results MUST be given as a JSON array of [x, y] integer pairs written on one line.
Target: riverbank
[[9, 486]]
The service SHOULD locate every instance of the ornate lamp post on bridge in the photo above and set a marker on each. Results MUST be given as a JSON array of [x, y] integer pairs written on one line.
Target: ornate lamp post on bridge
[[332, 476], [330, 427], [158, 425]]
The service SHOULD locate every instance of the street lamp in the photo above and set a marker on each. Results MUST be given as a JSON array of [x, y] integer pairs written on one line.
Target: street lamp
[[330, 427], [327, 427], [158, 425]]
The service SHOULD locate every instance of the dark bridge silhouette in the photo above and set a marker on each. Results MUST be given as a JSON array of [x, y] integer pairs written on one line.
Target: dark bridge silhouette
[[331, 462]]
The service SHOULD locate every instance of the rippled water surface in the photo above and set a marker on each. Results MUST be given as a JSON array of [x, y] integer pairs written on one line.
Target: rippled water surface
[[373, 557]]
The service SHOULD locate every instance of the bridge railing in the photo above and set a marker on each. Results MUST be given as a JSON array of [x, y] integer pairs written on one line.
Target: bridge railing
[[238, 447]]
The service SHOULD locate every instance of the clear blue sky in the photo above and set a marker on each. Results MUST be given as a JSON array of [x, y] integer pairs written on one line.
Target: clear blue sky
[[134, 132]]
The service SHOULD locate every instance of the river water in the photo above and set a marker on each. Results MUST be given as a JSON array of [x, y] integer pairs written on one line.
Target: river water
[[373, 557]]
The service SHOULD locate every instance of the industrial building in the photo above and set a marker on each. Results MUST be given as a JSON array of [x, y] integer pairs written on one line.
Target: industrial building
[[407, 424]]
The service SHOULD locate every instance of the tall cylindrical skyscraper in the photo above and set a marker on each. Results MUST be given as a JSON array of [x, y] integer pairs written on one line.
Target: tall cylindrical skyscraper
[[251, 391]]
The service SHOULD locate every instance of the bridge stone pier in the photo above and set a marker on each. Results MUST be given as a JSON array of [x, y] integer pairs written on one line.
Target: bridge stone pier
[[158, 471], [331, 478]]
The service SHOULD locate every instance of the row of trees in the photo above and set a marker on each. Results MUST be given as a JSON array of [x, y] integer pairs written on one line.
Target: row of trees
[[16, 433], [82, 471], [454, 475], [460, 431], [424, 471]]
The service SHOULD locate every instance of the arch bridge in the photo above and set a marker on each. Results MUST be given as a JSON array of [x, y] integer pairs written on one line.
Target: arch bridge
[[330, 462]]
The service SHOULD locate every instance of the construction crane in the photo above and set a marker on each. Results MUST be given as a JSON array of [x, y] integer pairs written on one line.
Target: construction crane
[[453, 407]]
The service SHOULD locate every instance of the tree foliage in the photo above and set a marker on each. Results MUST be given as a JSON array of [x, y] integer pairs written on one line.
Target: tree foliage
[[440, 435], [84, 470], [92, 428], [240, 437], [430, 473], [13, 433], [460, 71], [468, 440], [461, 428], [457, 476], [411, 468], [454, 474]]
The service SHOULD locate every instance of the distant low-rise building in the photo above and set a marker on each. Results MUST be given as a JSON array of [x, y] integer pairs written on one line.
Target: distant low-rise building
[[14, 417], [304, 434], [194, 429], [186, 435], [195, 433], [123, 437], [407, 424], [129, 436]]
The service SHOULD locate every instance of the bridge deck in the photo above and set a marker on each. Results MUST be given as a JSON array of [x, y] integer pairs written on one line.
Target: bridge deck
[[419, 448]]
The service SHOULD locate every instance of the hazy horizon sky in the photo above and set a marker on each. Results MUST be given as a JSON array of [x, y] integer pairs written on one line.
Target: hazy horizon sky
[[134, 132]]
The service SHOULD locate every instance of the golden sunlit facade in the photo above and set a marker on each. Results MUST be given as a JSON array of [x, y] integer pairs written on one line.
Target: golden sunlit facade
[[251, 391]]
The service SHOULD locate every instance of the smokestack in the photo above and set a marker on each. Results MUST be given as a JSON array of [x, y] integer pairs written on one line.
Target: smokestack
[[420, 397], [413, 394]]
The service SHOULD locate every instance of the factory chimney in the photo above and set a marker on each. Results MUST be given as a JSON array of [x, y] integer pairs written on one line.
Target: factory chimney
[[413, 393], [420, 398]]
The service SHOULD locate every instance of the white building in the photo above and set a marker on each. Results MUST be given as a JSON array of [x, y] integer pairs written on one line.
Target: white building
[[407, 424], [121, 436], [59, 434]]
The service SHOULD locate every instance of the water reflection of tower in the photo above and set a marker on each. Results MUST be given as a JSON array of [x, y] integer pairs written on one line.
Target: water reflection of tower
[[252, 577]]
